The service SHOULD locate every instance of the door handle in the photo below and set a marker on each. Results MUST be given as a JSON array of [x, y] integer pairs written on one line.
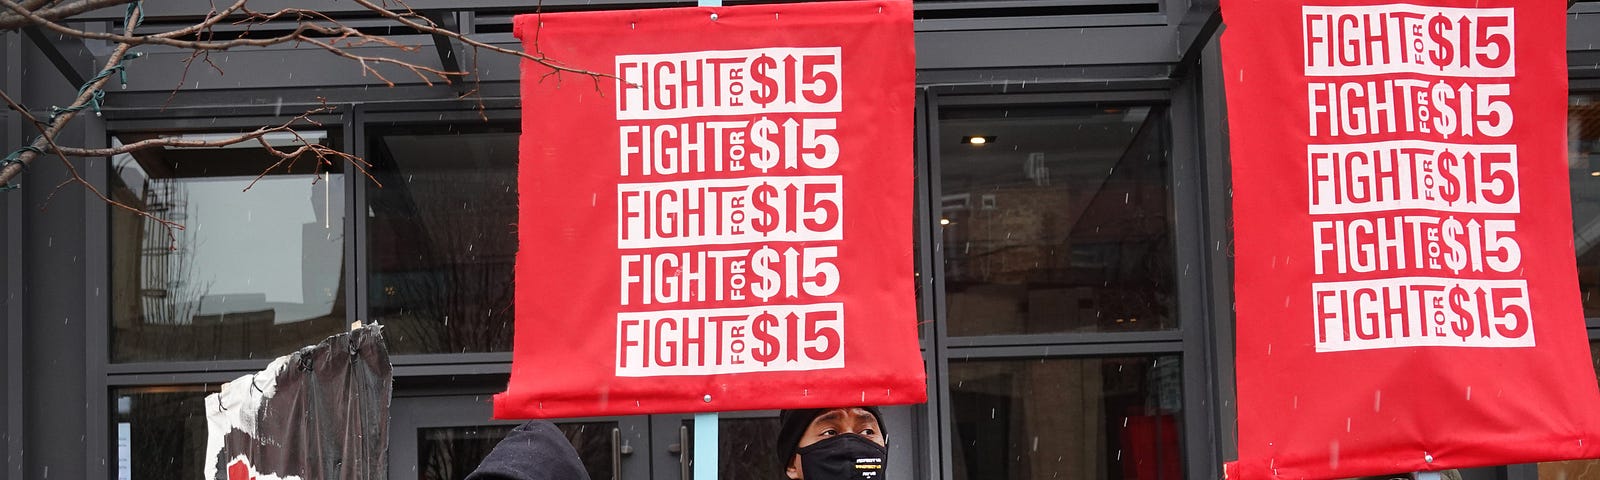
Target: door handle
[[616, 453], [683, 457]]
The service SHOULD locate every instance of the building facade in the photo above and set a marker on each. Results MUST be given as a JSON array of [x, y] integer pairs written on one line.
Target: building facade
[[1074, 280]]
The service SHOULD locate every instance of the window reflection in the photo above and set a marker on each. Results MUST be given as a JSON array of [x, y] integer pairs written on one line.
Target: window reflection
[[451, 453], [256, 272], [1059, 220], [442, 232], [1583, 164], [1096, 418], [163, 430], [744, 447], [1575, 469]]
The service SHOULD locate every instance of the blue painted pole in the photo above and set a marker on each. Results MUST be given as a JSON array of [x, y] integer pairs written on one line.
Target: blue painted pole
[[705, 424], [705, 446]]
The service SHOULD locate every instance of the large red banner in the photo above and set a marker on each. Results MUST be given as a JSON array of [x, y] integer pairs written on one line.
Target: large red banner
[[723, 220], [1405, 282]]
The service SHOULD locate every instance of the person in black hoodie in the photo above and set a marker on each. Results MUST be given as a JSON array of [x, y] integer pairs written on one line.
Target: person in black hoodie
[[832, 444], [533, 451]]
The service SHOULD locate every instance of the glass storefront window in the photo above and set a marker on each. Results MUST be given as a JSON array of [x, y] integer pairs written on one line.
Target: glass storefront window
[[744, 447], [257, 271], [1105, 418], [1056, 220], [1583, 166], [451, 453], [442, 238], [163, 430], [1576, 469]]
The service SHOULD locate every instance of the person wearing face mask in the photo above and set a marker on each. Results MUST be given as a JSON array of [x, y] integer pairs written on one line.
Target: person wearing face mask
[[833, 444]]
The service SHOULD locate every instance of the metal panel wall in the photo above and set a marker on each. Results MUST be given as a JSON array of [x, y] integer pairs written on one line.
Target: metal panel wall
[[55, 372], [52, 362], [11, 405]]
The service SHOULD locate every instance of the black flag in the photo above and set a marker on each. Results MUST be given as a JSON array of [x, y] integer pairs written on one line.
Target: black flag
[[319, 413]]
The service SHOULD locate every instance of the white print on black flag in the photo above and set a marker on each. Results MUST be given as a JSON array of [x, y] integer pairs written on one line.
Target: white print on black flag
[[690, 245], [1443, 200]]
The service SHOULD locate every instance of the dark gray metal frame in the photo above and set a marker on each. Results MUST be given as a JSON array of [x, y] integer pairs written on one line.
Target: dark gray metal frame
[[409, 414], [55, 258], [1191, 341], [15, 296]]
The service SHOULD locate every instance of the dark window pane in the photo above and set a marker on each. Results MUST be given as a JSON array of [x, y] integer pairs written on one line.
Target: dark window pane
[[442, 232], [1576, 469], [1584, 168], [258, 270], [453, 452], [163, 430], [744, 447], [1056, 220], [1094, 418]]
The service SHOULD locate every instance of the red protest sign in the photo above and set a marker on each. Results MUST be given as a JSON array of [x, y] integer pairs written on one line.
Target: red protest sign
[[724, 221], [1405, 281]]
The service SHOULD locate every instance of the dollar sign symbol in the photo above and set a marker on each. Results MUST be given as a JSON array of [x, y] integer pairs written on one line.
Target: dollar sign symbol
[[768, 351], [1445, 122], [769, 87], [768, 220], [1443, 51], [1463, 324], [1449, 185], [769, 154], [1456, 258], [760, 265]]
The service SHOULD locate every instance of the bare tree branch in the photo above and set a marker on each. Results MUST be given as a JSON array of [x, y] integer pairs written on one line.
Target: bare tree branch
[[304, 27], [78, 178], [85, 95], [13, 21], [253, 135], [433, 29], [302, 33]]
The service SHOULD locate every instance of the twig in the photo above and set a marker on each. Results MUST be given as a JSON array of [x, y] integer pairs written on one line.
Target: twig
[[78, 178], [60, 11], [429, 28], [10, 170]]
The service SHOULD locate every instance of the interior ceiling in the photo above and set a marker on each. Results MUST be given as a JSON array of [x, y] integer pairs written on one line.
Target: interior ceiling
[[1585, 112], [1074, 143], [240, 159], [466, 151]]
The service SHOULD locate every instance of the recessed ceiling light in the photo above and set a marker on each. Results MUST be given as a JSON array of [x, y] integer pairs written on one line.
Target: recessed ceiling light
[[944, 221], [976, 140], [1594, 174]]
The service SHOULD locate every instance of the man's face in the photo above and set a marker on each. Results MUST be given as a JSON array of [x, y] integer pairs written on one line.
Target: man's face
[[838, 421]]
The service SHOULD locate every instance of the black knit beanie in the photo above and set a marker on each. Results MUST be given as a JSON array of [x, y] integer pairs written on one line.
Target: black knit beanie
[[793, 426]]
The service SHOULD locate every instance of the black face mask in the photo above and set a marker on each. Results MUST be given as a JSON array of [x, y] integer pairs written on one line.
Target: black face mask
[[844, 457]]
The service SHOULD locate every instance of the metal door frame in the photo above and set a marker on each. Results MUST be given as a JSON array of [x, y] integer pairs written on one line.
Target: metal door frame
[[408, 415]]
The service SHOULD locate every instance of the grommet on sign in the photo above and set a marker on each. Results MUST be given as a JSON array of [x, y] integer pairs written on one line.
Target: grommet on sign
[[708, 398], [713, 17]]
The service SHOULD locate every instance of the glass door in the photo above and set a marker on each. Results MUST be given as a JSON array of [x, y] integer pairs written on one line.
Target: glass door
[[745, 442], [446, 437]]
